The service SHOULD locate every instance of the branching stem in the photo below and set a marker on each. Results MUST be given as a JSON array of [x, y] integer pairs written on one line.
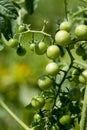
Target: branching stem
[[33, 31]]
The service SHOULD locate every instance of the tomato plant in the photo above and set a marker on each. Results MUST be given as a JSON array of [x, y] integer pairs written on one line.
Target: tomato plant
[[61, 102]]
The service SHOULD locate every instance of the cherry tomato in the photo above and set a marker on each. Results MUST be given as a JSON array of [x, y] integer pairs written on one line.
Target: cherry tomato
[[66, 25], [65, 119], [62, 38], [53, 51], [75, 74], [37, 117], [44, 82], [52, 68], [32, 46], [40, 48], [12, 43], [55, 127], [83, 77], [37, 102], [80, 51], [81, 32], [21, 51], [21, 28]]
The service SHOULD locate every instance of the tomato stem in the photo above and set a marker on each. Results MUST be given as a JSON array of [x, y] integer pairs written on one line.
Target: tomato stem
[[78, 12], [14, 116], [34, 31], [83, 122]]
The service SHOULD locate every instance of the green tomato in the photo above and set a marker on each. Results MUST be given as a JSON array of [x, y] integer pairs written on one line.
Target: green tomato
[[37, 117], [80, 51], [65, 119], [21, 51], [37, 102], [62, 38], [81, 32], [32, 46], [83, 77], [53, 51], [12, 42], [40, 48], [44, 82], [66, 25], [75, 74], [52, 68], [21, 28], [55, 127]]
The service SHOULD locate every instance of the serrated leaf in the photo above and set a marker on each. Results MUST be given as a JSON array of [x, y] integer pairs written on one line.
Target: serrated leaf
[[8, 9]]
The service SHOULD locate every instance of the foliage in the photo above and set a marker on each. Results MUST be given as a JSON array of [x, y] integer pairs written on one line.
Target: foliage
[[61, 101]]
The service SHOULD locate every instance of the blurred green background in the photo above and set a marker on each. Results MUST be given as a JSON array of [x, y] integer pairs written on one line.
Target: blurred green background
[[18, 75]]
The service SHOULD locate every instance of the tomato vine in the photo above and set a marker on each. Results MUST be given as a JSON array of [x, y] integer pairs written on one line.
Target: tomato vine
[[59, 105]]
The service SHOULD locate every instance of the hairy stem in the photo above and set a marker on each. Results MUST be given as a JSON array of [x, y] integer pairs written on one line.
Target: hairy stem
[[83, 122], [14, 116]]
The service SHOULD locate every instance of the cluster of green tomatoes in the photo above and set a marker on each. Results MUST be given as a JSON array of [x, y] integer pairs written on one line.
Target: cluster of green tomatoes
[[58, 107]]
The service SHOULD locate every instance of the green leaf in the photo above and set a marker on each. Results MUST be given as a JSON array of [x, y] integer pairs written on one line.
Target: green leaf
[[1, 46], [8, 9], [29, 6], [2, 24], [28, 114]]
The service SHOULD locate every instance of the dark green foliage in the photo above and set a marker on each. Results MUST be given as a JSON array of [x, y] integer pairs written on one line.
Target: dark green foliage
[[29, 6], [8, 12], [7, 9]]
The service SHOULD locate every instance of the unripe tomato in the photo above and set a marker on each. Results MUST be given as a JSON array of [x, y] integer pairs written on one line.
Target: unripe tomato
[[12, 42], [21, 28], [37, 117], [81, 32], [52, 68], [44, 82], [21, 51], [32, 46], [66, 25], [75, 74], [55, 127], [80, 51], [37, 102], [40, 48], [53, 51], [65, 119], [83, 77], [62, 38]]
